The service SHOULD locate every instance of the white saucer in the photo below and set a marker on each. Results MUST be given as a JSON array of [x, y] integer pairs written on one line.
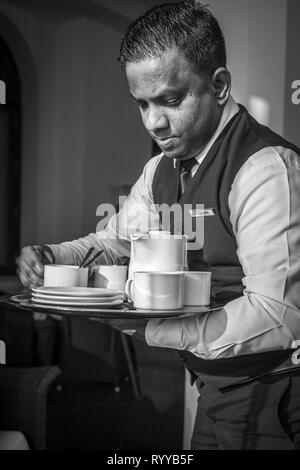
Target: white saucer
[[50, 298], [78, 303], [77, 291]]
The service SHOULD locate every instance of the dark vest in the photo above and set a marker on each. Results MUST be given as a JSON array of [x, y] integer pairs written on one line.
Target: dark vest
[[242, 137]]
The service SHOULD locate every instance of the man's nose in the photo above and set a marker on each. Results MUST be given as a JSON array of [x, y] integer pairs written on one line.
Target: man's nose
[[156, 120]]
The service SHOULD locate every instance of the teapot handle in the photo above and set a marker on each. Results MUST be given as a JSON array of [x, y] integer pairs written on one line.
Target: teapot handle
[[128, 289]]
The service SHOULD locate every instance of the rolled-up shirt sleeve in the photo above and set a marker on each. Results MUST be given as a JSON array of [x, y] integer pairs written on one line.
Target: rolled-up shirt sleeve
[[264, 204]]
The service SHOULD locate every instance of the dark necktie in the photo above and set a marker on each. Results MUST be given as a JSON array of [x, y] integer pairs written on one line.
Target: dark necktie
[[185, 173]]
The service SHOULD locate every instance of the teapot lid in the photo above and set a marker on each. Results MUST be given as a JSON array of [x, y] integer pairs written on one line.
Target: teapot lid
[[155, 234]]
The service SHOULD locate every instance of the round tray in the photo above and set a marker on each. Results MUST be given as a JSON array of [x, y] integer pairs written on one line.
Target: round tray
[[125, 310]]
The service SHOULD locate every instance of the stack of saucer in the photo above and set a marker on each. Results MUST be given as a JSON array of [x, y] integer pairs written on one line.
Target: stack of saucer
[[77, 296]]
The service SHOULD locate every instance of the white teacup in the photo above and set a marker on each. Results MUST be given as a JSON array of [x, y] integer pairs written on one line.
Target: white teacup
[[111, 276], [60, 275], [156, 290], [197, 287]]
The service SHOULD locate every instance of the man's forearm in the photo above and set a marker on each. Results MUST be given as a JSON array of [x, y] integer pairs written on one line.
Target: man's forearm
[[73, 252]]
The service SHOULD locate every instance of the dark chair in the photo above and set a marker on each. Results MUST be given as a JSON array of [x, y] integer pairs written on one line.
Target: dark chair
[[23, 401], [96, 352]]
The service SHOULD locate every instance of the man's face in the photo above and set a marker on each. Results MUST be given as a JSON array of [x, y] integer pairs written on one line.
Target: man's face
[[178, 106]]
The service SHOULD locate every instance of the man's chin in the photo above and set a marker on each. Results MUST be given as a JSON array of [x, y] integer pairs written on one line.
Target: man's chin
[[172, 153], [180, 153]]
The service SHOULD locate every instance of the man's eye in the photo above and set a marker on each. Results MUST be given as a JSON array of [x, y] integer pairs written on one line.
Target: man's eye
[[173, 102], [142, 105]]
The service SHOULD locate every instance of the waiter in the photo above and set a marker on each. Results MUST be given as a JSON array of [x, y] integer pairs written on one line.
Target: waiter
[[243, 358]]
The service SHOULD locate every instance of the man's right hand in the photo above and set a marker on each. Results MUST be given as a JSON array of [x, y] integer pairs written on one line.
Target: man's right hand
[[31, 264]]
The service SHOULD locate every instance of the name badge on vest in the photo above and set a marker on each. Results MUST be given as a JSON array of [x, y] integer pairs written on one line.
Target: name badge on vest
[[202, 212]]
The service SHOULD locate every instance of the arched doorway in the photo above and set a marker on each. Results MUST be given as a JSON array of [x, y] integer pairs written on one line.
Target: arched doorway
[[10, 161]]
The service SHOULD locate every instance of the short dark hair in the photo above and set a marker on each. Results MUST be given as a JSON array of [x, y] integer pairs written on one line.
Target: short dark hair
[[188, 26]]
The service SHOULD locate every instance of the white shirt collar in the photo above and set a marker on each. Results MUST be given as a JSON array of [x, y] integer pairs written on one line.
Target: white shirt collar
[[230, 110]]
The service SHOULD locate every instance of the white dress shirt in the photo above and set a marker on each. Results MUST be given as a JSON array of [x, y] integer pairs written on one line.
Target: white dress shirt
[[264, 204]]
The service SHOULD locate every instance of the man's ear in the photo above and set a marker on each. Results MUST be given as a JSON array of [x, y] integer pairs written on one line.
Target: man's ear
[[221, 81]]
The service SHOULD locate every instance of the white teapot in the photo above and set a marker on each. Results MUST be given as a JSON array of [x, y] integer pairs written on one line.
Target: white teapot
[[158, 251]]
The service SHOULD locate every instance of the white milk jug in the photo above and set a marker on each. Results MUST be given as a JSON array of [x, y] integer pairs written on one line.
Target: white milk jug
[[157, 251]]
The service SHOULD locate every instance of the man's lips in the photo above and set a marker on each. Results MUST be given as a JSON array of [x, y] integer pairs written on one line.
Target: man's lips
[[162, 139], [165, 141]]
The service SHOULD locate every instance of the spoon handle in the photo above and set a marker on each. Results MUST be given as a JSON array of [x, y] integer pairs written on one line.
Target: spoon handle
[[86, 257]]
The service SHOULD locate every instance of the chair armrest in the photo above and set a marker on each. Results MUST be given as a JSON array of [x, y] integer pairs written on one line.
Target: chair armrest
[[23, 400]]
